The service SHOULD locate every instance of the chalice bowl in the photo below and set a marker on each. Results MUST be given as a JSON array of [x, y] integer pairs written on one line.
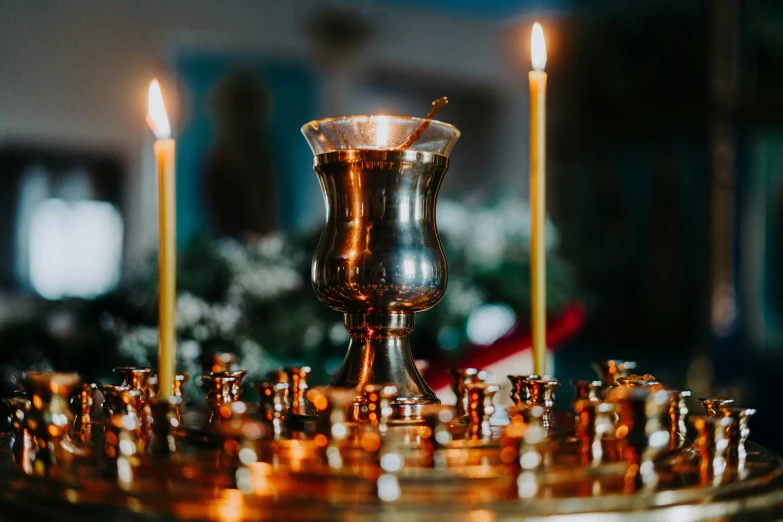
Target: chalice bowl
[[379, 259]]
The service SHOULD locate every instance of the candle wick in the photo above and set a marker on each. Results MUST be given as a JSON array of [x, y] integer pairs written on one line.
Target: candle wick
[[436, 106]]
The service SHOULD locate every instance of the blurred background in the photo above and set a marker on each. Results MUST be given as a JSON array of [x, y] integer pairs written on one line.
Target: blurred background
[[665, 168]]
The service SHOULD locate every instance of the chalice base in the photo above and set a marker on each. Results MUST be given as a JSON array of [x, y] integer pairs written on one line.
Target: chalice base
[[379, 353]]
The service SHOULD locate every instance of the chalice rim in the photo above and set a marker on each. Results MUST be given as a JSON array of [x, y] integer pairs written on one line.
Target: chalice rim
[[317, 123], [358, 155]]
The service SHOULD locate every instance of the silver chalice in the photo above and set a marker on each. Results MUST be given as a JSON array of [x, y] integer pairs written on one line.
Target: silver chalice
[[379, 259]]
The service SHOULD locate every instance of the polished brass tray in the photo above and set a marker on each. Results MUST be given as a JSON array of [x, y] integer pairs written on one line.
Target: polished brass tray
[[290, 480]]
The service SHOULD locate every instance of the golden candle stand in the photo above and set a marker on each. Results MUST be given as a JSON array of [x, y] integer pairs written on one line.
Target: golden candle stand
[[377, 444], [625, 455]]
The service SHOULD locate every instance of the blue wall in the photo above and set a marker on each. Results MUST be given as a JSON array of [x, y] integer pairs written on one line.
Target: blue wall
[[294, 93]]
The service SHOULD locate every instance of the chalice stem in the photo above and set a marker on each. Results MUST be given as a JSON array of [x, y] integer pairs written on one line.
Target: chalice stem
[[379, 353]]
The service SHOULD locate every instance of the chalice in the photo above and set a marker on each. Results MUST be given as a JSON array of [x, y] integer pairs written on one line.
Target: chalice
[[379, 259]]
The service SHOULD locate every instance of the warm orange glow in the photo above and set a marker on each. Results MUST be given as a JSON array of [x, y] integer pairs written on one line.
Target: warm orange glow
[[370, 441], [156, 112], [538, 48], [297, 449], [318, 399], [231, 506]]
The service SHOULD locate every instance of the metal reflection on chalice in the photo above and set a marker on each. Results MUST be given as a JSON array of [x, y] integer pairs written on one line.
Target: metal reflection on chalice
[[377, 444]]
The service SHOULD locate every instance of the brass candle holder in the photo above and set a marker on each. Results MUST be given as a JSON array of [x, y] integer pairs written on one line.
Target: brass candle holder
[[265, 461]]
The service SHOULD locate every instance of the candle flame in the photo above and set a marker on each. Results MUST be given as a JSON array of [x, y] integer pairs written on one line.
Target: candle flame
[[156, 112], [538, 48], [382, 132]]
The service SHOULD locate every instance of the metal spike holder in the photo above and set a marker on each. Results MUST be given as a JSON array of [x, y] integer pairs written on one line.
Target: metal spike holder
[[377, 444]]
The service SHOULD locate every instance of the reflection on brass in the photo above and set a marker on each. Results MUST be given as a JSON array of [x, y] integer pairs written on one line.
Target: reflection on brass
[[107, 393], [440, 425], [713, 404], [244, 433], [616, 460], [82, 401], [224, 362], [176, 387], [587, 390], [118, 399], [122, 400], [236, 386], [273, 399], [541, 392], [22, 443], [124, 448], [137, 381], [641, 437], [676, 415], [375, 404], [657, 436], [461, 377], [519, 394], [179, 380], [603, 432], [296, 377], [220, 394], [298, 383], [380, 261], [135, 378], [481, 406], [594, 423], [635, 377], [532, 454], [633, 408], [332, 406], [166, 419], [738, 431], [265, 392], [635, 381], [711, 444], [49, 418], [608, 371]]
